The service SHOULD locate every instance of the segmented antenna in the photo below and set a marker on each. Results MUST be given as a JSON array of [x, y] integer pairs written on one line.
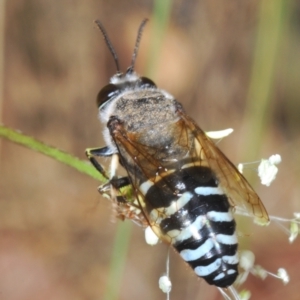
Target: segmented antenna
[[137, 43], [109, 44]]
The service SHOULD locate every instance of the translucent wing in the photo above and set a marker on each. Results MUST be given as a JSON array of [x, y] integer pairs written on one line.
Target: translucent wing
[[235, 185], [158, 164]]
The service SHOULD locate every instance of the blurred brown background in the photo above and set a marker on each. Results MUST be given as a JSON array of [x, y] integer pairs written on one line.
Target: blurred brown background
[[56, 234]]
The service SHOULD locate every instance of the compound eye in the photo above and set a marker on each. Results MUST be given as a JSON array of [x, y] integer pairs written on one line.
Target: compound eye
[[106, 94], [146, 82]]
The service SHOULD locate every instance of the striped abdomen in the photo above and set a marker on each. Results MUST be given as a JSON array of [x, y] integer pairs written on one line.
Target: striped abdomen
[[189, 209]]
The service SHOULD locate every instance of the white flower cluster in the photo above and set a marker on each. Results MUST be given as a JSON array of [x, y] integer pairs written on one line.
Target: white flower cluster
[[165, 284], [293, 230], [267, 169], [219, 134], [294, 227], [247, 259], [150, 237]]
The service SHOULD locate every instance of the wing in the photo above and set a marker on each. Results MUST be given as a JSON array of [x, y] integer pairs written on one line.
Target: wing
[[184, 144], [235, 185]]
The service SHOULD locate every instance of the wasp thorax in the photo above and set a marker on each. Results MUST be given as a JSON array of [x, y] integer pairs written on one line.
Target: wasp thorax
[[144, 110]]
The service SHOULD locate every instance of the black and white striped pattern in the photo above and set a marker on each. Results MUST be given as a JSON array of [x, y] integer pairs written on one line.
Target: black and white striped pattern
[[198, 220]]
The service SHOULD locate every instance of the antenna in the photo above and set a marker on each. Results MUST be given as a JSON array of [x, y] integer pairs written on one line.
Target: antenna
[[137, 43], [109, 44]]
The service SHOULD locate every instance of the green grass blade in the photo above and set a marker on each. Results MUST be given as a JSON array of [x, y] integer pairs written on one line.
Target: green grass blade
[[269, 39], [160, 18], [118, 261], [68, 159]]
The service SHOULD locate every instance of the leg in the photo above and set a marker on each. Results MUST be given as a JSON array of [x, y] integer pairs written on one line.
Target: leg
[[92, 152], [104, 151], [117, 183]]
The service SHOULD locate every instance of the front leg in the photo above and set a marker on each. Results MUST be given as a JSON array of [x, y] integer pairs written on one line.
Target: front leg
[[91, 153], [114, 181]]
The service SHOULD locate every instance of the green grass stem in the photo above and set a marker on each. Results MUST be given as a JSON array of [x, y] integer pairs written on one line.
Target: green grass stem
[[160, 19], [260, 95], [31, 143]]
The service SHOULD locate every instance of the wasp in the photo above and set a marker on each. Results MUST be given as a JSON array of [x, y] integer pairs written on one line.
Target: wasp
[[183, 185]]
